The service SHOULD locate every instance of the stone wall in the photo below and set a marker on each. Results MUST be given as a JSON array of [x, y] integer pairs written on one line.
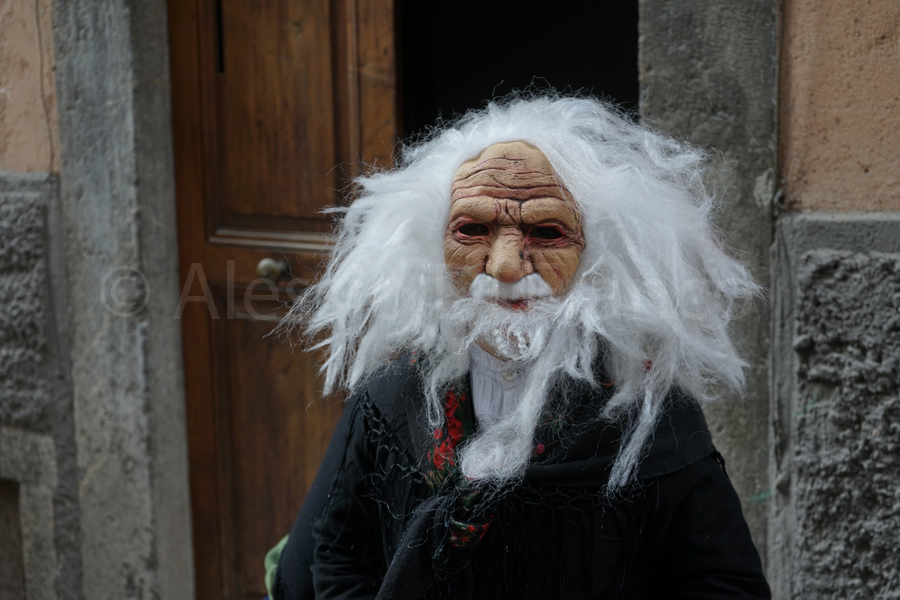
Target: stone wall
[[37, 445], [92, 431], [37, 442], [835, 522], [29, 459], [836, 358], [24, 385]]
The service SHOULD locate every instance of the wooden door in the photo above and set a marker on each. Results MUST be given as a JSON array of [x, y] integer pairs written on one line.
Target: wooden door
[[268, 97]]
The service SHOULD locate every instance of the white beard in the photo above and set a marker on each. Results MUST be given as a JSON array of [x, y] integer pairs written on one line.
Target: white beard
[[541, 334], [513, 334]]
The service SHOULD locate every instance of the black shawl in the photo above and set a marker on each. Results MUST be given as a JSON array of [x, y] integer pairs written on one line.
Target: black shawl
[[382, 532]]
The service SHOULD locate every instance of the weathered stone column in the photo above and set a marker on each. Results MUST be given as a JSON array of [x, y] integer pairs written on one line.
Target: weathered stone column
[[117, 212], [708, 75]]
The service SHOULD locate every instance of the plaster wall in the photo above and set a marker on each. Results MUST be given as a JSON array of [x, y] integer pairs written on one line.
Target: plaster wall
[[28, 128], [707, 73], [840, 104]]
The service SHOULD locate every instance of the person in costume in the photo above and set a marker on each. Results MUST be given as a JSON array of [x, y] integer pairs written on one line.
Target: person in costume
[[528, 312]]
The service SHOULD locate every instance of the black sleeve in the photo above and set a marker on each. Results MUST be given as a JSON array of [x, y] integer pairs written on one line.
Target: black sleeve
[[293, 578], [347, 557], [699, 543]]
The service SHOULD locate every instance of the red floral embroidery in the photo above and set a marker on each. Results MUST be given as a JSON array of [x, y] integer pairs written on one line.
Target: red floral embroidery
[[454, 424], [458, 425], [464, 534], [444, 455]]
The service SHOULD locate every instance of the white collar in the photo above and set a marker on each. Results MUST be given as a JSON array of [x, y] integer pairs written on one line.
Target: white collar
[[497, 384]]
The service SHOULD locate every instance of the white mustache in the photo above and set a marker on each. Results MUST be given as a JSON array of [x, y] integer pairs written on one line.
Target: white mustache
[[485, 287]]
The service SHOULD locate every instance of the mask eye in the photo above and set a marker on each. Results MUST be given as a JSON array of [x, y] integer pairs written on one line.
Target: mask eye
[[545, 232], [474, 230]]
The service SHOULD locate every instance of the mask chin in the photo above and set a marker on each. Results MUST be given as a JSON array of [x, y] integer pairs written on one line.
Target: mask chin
[[510, 334]]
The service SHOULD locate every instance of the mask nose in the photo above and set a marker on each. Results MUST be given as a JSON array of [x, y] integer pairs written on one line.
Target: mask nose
[[507, 262]]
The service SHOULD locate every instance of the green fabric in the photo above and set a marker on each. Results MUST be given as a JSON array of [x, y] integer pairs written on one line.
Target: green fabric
[[271, 563]]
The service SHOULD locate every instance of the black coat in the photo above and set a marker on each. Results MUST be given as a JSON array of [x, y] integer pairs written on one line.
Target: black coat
[[382, 531]]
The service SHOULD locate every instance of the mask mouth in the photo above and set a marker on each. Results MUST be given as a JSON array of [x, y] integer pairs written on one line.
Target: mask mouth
[[518, 304]]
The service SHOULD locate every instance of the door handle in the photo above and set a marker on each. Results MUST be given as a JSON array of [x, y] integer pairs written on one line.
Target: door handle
[[271, 269]]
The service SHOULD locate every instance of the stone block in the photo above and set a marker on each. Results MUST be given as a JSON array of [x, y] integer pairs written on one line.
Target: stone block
[[836, 513], [30, 459], [24, 392]]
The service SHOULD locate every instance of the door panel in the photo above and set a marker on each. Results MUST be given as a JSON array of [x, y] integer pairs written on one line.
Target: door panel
[[274, 115], [278, 437], [268, 97]]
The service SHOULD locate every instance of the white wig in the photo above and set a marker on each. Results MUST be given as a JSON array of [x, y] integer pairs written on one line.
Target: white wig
[[654, 289]]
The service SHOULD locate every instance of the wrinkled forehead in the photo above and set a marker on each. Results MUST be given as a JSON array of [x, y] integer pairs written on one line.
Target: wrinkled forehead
[[514, 170]]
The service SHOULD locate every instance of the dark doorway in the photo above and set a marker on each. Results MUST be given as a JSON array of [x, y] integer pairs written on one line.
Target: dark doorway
[[455, 55]]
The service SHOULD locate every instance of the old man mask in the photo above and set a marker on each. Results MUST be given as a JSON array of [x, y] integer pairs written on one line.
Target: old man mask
[[549, 231]]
